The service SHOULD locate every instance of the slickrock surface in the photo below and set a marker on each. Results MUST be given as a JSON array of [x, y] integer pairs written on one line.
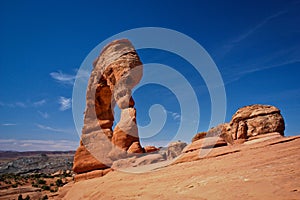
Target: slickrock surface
[[256, 169]]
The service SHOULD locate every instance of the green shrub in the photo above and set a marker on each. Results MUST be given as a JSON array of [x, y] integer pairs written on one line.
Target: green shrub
[[34, 185], [41, 181], [59, 183], [45, 187], [37, 176], [54, 190], [15, 185]]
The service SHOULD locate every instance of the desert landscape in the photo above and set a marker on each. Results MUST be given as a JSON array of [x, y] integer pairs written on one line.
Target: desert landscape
[[254, 170], [248, 157], [265, 168], [142, 100]]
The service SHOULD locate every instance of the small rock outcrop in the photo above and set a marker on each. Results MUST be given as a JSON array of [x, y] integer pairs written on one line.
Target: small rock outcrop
[[150, 149], [199, 136], [215, 137], [116, 71], [248, 123], [175, 149], [254, 120]]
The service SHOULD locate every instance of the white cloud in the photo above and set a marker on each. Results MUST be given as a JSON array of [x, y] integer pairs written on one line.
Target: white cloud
[[65, 103], [48, 128], [38, 145], [175, 115], [39, 103], [45, 115], [68, 79], [21, 104], [63, 78], [82, 74], [8, 124]]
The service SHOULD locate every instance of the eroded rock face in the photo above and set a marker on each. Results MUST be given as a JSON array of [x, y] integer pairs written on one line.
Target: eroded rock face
[[248, 123], [84, 161], [254, 120], [116, 71]]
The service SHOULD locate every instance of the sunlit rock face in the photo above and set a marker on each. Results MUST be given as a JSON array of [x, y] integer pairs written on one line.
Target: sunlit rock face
[[116, 72]]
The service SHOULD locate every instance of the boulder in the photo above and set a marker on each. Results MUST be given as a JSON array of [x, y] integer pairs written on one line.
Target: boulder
[[135, 148], [254, 120], [150, 149]]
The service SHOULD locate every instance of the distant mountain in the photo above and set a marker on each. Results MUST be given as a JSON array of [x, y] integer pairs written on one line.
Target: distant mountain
[[16, 154]]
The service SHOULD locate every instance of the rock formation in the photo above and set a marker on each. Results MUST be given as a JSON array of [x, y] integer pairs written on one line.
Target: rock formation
[[175, 149], [150, 149], [248, 123], [254, 120], [116, 71]]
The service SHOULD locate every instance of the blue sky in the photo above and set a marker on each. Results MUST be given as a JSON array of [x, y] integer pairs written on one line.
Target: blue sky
[[255, 45]]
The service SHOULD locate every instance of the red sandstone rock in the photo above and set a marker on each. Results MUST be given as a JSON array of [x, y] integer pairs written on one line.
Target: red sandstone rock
[[199, 136], [116, 71], [135, 148], [84, 161], [149, 149], [255, 120], [207, 142], [126, 131]]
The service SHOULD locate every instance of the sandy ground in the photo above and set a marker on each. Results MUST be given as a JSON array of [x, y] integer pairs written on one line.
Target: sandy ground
[[270, 170]]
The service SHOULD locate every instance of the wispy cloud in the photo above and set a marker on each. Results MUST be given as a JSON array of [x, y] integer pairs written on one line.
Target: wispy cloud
[[37, 145], [65, 103], [68, 79], [48, 128], [45, 115], [23, 104], [241, 73], [82, 74], [240, 38], [39, 103], [8, 124], [175, 115], [63, 78], [252, 30]]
